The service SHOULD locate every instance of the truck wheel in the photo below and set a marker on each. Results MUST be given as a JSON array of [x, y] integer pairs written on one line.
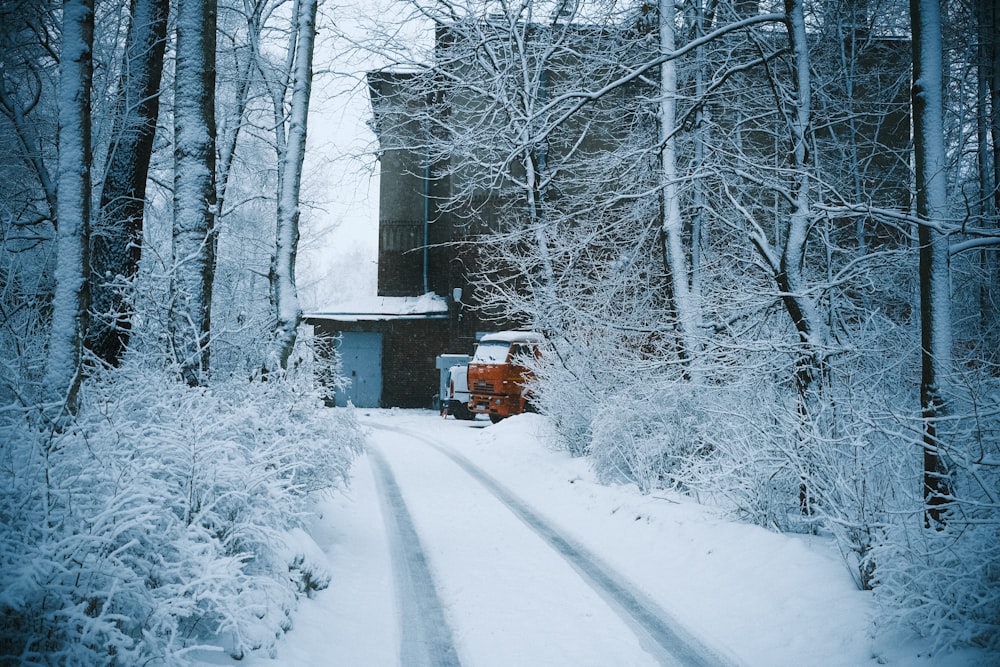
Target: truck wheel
[[495, 418], [461, 411]]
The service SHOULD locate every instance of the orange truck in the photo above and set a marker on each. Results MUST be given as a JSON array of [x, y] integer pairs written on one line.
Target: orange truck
[[496, 378]]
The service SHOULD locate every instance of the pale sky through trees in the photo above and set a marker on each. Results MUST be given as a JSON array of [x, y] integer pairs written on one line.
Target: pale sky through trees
[[341, 174], [341, 179]]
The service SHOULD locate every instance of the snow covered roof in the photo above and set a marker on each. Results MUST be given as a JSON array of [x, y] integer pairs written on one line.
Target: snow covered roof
[[517, 336], [428, 306]]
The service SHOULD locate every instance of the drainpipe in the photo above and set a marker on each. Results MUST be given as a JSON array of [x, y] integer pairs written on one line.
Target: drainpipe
[[427, 196], [427, 204]]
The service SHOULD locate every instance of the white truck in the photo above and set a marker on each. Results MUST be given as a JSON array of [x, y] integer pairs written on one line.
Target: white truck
[[456, 402], [453, 393]]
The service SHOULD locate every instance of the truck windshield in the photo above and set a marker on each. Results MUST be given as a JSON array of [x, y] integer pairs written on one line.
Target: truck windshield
[[491, 352]]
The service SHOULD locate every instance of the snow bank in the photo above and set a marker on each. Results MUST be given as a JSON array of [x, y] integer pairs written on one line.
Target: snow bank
[[769, 598]]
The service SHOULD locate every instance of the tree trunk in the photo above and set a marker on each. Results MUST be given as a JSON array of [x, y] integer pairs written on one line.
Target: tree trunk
[[988, 127], [116, 240], [288, 313], [70, 303], [809, 366], [194, 231], [677, 259], [932, 205]]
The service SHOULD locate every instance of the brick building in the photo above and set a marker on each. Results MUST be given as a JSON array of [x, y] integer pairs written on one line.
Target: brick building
[[388, 344], [387, 348]]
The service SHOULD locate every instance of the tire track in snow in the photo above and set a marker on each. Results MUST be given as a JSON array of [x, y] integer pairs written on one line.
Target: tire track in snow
[[658, 632], [425, 636]]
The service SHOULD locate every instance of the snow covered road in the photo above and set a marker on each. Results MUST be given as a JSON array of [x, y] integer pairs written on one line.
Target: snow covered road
[[476, 544], [425, 634], [517, 592]]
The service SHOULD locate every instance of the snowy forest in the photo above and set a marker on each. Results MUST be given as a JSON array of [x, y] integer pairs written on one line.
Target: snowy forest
[[760, 238]]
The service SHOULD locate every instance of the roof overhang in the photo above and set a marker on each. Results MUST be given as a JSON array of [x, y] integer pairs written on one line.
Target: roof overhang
[[381, 308]]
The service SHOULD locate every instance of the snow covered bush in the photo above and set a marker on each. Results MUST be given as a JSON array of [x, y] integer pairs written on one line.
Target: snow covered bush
[[942, 584], [161, 517], [740, 443], [563, 389], [645, 433], [745, 463], [945, 584]]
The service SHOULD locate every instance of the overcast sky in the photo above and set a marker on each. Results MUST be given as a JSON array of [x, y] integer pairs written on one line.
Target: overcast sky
[[340, 231]]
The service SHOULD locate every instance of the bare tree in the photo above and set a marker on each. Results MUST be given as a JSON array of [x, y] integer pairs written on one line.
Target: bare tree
[[194, 234], [810, 366], [69, 306], [677, 257], [292, 125], [116, 239], [935, 281]]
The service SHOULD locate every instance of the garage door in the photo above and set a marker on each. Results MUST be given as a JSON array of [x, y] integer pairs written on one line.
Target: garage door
[[361, 362]]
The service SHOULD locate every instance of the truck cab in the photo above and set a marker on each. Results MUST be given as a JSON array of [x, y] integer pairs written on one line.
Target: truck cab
[[456, 401], [497, 380]]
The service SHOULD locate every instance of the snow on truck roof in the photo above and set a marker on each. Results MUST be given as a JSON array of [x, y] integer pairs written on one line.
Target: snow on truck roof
[[513, 337]]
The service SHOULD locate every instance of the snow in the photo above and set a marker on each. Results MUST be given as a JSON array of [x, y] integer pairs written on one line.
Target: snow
[[493, 348], [514, 337], [758, 597], [491, 352], [384, 308]]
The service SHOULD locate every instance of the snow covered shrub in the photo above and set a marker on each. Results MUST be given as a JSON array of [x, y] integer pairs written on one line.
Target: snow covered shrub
[[318, 354], [747, 464], [161, 517], [565, 389], [23, 335], [306, 562], [644, 434], [945, 584], [852, 477]]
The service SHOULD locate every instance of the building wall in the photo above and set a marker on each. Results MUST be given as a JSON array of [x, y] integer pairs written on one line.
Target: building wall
[[397, 107], [409, 348]]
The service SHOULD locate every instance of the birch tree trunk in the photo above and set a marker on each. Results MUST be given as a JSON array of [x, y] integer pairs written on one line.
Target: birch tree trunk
[[194, 231], [676, 258], [288, 312], [70, 303], [810, 364], [116, 241], [932, 205]]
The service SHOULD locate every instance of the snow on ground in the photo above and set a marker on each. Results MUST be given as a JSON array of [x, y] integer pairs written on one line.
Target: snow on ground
[[756, 596]]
